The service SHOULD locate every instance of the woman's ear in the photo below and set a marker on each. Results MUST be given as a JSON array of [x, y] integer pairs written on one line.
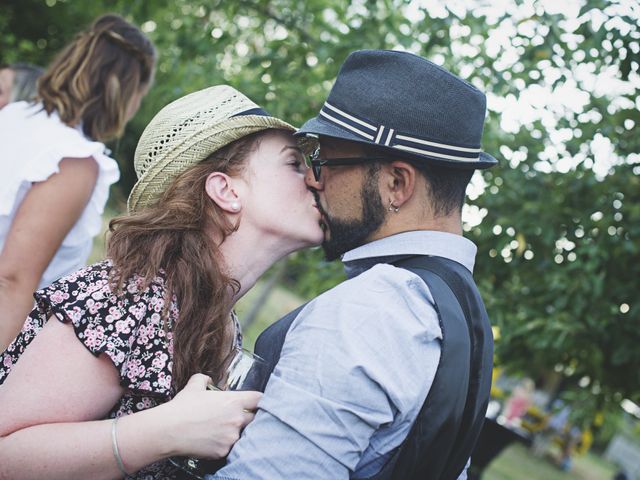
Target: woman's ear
[[219, 189]]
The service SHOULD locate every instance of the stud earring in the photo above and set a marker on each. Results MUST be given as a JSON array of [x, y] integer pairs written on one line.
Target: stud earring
[[235, 206], [392, 207]]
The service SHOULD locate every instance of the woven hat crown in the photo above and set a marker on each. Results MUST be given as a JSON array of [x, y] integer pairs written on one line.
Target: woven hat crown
[[188, 131]]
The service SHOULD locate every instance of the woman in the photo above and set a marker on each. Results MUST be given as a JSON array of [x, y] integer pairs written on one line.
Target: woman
[[55, 170], [220, 197], [18, 82]]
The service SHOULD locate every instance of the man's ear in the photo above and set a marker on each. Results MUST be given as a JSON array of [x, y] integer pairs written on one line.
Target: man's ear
[[219, 188], [399, 182]]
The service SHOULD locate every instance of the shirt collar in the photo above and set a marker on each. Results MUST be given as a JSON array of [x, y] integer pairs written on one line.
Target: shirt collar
[[419, 242]]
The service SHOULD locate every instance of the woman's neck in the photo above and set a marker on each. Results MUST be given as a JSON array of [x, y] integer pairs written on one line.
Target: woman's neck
[[248, 255]]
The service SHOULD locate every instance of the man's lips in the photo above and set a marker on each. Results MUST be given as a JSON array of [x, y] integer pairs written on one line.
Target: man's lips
[[322, 221], [321, 211]]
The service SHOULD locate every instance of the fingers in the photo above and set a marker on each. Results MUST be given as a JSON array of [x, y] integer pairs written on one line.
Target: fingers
[[248, 400], [198, 381]]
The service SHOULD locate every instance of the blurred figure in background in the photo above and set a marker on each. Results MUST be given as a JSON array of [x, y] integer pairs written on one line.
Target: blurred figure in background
[[6, 82], [56, 171], [519, 402], [18, 81]]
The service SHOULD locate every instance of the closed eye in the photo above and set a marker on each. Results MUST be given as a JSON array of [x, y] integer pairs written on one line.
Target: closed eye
[[297, 164]]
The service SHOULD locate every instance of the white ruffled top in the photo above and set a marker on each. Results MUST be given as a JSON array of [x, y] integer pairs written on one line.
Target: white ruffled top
[[32, 144]]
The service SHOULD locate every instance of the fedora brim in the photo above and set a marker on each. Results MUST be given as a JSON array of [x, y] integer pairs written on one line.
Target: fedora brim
[[316, 127]]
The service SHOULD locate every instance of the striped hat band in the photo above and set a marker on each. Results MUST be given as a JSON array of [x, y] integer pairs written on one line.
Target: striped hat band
[[387, 136]]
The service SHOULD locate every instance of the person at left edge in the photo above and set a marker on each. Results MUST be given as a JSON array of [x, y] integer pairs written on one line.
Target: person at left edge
[[55, 169]]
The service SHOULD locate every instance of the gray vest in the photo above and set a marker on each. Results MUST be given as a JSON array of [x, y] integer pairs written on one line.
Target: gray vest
[[449, 423]]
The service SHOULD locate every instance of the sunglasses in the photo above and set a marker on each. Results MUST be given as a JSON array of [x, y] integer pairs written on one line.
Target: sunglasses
[[315, 163]]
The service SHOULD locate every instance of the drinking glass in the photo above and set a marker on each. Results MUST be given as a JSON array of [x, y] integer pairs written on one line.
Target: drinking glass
[[243, 371]]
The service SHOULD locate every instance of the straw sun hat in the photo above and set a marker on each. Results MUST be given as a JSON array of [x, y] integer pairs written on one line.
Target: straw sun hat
[[187, 131]]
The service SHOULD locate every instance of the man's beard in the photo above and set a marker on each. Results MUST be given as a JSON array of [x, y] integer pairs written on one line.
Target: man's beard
[[345, 235]]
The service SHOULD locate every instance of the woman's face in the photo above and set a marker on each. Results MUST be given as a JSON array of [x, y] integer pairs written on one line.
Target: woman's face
[[276, 201], [6, 83]]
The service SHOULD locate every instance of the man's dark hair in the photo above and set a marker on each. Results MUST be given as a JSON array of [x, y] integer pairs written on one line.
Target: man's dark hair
[[447, 185]]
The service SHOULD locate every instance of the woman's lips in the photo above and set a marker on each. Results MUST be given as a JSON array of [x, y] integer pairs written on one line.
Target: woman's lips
[[321, 220]]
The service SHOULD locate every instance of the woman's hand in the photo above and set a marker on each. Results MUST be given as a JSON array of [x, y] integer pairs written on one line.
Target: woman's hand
[[204, 423], [51, 404]]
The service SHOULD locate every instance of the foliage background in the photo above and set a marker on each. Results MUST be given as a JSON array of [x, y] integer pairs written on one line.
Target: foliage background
[[557, 223]]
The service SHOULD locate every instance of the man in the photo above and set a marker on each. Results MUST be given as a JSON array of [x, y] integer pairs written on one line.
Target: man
[[371, 381]]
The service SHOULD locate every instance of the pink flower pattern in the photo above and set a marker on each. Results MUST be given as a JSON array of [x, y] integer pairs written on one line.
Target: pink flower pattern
[[128, 328]]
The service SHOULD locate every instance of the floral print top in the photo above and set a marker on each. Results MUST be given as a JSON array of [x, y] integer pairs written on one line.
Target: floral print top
[[128, 328]]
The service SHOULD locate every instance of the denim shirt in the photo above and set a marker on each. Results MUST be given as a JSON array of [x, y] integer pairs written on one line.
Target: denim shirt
[[355, 369]]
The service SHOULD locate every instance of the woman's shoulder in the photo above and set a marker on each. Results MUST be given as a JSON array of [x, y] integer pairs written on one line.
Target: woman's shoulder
[[32, 145], [127, 321], [99, 281], [34, 132], [20, 115]]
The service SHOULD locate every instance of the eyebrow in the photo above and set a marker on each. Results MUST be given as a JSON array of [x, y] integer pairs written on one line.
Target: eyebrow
[[293, 147]]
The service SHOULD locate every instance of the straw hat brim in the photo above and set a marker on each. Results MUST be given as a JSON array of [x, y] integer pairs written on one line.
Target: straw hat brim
[[195, 148]]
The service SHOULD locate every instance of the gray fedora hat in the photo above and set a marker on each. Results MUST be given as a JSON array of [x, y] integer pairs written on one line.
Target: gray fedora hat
[[407, 105]]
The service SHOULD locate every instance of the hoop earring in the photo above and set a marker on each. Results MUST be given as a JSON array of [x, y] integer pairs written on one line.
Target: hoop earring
[[393, 208]]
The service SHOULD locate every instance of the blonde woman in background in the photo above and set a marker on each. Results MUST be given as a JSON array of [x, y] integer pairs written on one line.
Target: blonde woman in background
[[55, 170], [220, 197], [18, 82]]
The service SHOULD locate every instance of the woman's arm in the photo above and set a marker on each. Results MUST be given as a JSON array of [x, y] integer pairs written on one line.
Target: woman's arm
[[54, 393], [43, 219]]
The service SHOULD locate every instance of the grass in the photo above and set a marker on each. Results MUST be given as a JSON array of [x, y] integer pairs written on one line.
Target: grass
[[517, 463]]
